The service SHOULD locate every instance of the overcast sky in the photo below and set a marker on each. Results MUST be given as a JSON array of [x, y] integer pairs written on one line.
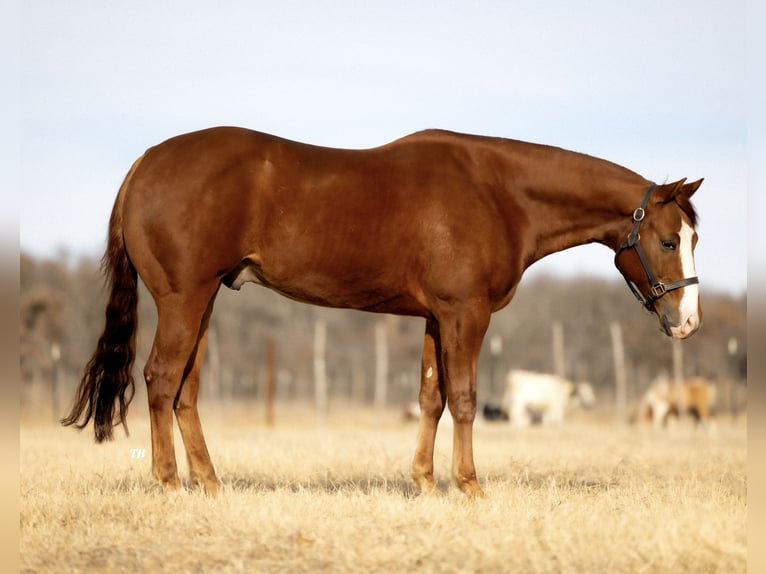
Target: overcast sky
[[656, 86]]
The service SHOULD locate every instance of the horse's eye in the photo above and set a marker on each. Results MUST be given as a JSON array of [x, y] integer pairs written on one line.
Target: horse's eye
[[669, 245]]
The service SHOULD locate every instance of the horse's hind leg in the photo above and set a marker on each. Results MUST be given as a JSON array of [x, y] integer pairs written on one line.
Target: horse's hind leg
[[179, 320], [200, 465], [432, 398]]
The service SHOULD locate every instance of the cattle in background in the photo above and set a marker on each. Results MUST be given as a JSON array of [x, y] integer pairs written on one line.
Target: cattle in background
[[411, 411], [490, 411], [493, 412], [537, 397], [663, 399]]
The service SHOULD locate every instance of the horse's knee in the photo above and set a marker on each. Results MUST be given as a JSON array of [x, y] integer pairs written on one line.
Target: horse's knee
[[182, 406], [431, 404], [463, 408]]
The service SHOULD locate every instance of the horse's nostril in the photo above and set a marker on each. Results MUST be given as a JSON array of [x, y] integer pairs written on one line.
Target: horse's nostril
[[690, 325]]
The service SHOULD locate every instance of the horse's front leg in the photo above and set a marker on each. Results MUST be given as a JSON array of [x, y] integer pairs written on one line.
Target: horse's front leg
[[432, 399], [462, 332]]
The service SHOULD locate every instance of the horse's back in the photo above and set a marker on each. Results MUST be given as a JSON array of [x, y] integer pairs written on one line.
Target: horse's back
[[372, 229]]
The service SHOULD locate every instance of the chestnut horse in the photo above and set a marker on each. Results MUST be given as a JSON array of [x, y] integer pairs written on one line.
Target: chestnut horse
[[437, 224]]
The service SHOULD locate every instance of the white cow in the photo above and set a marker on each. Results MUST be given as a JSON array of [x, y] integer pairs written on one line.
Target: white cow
[[530, 397]]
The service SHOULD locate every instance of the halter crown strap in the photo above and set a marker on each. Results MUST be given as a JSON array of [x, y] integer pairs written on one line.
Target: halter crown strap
[[658, 288], [638, 217]]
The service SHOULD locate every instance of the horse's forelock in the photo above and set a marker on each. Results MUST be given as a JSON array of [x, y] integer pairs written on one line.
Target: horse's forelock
[[686, 206]]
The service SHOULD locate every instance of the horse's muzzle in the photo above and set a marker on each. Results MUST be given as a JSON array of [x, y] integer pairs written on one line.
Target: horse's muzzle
[[684, 330]]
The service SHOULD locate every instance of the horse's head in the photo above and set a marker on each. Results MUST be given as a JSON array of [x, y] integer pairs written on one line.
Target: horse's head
[[657, 257]]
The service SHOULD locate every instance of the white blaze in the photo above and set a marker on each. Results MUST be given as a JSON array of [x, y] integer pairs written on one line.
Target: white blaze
[[689, 302]]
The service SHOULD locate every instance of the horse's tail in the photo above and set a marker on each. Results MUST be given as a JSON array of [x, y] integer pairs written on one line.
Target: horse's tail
[[108, 377]]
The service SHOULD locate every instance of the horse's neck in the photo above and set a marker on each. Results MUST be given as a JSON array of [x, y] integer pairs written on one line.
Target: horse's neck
[[571, 199]]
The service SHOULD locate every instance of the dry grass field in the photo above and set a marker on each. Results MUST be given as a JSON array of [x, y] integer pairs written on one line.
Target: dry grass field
[[589, 497]]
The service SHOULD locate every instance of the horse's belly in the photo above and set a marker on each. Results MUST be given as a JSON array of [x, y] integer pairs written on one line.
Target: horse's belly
[[354, 290]]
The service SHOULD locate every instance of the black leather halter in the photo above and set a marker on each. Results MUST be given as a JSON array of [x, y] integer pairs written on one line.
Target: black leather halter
[[633, 241]]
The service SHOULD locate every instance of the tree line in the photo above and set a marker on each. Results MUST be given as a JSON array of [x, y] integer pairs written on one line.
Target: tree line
[[62, 310]]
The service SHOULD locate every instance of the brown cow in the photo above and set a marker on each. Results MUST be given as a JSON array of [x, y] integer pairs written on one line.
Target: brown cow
[[663, 399]]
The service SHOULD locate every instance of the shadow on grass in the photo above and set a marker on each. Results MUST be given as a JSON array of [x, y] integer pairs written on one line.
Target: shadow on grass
[[400, 485], [366, 485], [562, 481]]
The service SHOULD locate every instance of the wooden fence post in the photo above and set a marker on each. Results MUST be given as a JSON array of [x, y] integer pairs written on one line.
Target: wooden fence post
[[215, 385], [269, 382], [558, 349], [320, 371], [381, 367], [620, 379], [678, 377]]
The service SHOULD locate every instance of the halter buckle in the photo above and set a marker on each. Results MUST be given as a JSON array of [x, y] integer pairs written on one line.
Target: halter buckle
[[658, 290], [638, 215]]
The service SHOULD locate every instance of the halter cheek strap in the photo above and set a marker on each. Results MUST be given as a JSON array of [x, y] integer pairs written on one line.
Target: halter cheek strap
[[633, 241]]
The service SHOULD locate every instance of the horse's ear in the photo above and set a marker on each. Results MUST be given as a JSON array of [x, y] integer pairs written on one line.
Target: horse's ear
[[680, 192], [690, 188], [667, 191]]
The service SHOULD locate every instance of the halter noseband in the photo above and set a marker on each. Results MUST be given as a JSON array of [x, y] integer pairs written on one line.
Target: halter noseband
[[658, 288]]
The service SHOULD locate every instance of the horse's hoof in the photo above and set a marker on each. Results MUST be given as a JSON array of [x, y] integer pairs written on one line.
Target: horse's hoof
[[472, 489], [173, 491], [429, 492], [212, 488]]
